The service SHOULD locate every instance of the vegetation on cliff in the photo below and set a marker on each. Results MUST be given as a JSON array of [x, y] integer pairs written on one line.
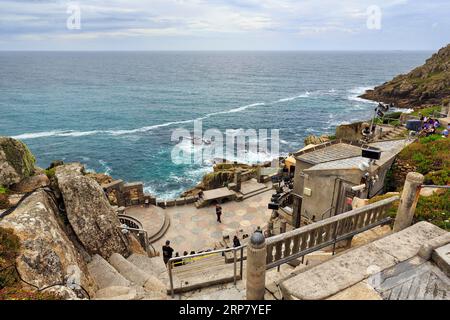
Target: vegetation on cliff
[[429, 156], [19, 156], [428, 84]]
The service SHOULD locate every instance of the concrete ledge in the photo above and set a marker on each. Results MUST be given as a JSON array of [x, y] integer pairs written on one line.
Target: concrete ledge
[[180, 201], [190, 200], [427, 249], [355, 265], [441, 256], [170, 203]]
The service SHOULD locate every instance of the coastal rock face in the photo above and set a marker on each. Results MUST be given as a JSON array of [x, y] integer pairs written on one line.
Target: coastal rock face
[[351, 132], [47, 256], [16, 161], [217, 179], [425, 85], [91, 216], [316, 140], [30, 184]]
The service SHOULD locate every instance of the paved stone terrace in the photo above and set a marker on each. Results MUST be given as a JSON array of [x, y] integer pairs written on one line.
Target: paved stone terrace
[[197, 229], [152, 217]]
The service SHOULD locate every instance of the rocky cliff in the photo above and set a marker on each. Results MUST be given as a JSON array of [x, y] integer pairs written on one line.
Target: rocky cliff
[[89, 213], [16, 161], [58, 223], [426, 85]]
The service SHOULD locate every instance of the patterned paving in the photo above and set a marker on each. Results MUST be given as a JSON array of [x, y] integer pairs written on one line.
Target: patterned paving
[[197, 229], [422, 282]]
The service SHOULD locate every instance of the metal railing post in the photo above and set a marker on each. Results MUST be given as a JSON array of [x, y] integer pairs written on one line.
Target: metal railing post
[[234, 267], [242, 262], [172, 293]]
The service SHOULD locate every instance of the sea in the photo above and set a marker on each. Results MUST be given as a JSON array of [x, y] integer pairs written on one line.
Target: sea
[[117, 112]]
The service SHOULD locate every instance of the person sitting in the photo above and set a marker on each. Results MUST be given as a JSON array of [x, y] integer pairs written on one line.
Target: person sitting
[[445, 132], [177, 262]]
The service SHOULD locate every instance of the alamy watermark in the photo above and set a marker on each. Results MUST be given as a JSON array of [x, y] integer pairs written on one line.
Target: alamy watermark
[[243, 145], [73, 22]]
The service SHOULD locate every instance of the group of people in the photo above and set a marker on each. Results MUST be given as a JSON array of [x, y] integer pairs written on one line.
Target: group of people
[[168, 252], [429, 126]]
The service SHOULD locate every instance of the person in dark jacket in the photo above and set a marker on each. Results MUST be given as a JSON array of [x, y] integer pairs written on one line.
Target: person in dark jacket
[[218, 212], [236, 242], [167, 252]]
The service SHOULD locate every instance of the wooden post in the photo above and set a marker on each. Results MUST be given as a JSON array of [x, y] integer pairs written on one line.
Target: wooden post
[[256, 266], [408, 201]]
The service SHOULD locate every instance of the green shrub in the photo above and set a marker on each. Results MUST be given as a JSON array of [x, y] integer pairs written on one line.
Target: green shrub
[[4, 201], [9, 250], [434, 137], [427, 112], [439, 178], [428, 155], [50, 173], [17, 293], [434, 209]]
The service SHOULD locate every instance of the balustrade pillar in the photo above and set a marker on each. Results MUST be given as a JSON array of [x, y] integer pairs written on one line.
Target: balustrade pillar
[[256, 266], [408, 201]]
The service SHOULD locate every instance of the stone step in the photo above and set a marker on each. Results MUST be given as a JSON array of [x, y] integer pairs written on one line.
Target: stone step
[[152, 285], [116, 293], [162, 231], [127, 269], [204, 278], [154, 266], [255, 193], [208, 271], [105, 275]]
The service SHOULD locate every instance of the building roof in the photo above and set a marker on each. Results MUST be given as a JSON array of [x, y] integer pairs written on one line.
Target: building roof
[[330, 152], [342, 155]]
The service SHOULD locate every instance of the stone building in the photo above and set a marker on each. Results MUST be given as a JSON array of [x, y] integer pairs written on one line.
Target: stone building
[[329, 175]]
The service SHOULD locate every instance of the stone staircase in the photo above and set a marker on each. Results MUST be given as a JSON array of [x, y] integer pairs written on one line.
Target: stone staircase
[[204, 272], [200, 203], [135, 278], [142, 278], [254, 193], [395, 133]]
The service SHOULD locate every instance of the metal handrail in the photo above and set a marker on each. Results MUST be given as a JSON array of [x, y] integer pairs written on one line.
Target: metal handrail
[[329, 209], [189, 256], [434, 186], [139, 230]]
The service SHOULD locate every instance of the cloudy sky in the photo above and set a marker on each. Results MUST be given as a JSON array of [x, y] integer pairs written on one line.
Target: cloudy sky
[[224, 24]]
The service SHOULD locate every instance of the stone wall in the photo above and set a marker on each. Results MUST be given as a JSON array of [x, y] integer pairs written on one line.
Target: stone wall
[[352, 132], [399, 170]]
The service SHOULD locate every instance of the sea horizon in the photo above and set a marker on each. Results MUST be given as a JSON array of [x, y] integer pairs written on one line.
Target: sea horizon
[[116, 115]]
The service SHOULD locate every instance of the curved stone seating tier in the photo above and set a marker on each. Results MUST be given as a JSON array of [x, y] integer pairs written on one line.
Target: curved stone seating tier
[[154, 220]]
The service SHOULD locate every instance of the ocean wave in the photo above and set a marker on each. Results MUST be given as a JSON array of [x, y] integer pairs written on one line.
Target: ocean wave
[[356, 92], [55, 133], [73, 133], [304, 95], [107, 169]]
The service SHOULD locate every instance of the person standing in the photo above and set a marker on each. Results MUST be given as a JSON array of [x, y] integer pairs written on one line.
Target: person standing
[[167, 252], [218, 212], [236, 242]]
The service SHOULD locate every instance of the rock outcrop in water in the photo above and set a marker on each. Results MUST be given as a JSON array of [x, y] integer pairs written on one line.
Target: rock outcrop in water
[[89, 213], [425, 85]]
